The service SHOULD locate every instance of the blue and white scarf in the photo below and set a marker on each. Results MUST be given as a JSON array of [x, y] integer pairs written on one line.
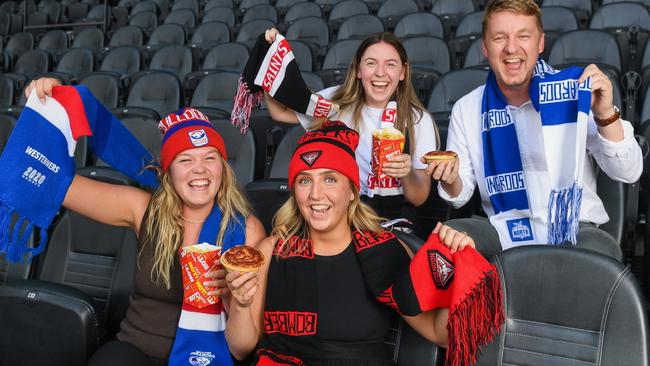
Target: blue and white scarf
[[200, 338], [564, 106], [37, 164]]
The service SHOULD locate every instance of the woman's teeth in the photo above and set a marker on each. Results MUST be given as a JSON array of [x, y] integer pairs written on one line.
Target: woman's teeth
[[319, 209], [199, 183]]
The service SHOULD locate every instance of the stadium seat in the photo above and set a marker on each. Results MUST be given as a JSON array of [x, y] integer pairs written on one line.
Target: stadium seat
[[145, 131], [164, 35], [17, 45], [282, 6], [429, 58], [144, 7], [468, 30], [77, 11], [147, 21], [220, 14], [327, 5], [7, 91], [5, 23], [418, 25], [240, 149], [30, 64], [584, 47], [154, 94], [249, 31], [7, 124], [192, 5], [215, 90], [557, 20], [359, 27], [183, 17], [567, 306], [123, 60], [75, 63], [226, 57], [447, 90], [300, 10], [127, 36], [280, 166], [244, 5], [261, 11], [391, 11], [55, 42], [53, 10], [582, 8], [163, 7], [345, 9], [313, 81], [92, 38], [105, 87], [612, 193], [175, 59], [96, 13], [85, 261], [311, 30], [210, 34], [337, 60], [303, 55], [451, 12], [630, 23], [218, 3]]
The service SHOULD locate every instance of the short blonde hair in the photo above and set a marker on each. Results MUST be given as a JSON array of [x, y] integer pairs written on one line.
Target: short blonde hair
[[523, 7]]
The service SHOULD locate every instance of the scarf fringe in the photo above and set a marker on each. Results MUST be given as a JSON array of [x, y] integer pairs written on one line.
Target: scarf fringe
[[475, 321], [12, 243], [563, 214], [243, 105]]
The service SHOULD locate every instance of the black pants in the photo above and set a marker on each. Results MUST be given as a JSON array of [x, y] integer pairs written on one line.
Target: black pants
[[487, 240], [123, 354]]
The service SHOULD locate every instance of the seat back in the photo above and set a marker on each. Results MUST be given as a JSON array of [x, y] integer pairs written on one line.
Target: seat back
[[104, 86], [76, 62], [220, 14], [183, 17], [158, 91], [391, 11], [419, 24], [144, 6], [167, 34], [95, 258], [359, 27], [146, 20], [280, 166], [261, 11], [240, 149], [474, 56], [249, 31], [586, 46], [582, 8], [127, 36], [32, 63], [123, 60], [7, 91], [227, 57], [210, 34], [612, 193], [303, 55], [92, 38], [176, 59], [20, 43], [311, 30], [216, 90], [568, 306], [54, 42], [301, 10]]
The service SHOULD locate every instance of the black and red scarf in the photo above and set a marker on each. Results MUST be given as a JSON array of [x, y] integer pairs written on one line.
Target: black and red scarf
[[434, 278]]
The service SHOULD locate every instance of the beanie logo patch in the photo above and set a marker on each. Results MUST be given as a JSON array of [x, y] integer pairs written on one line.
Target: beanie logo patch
[[310, 157], [441, 268], [198, 137]]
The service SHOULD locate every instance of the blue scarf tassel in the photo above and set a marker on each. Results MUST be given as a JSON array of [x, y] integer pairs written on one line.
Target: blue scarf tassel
[[563, 214]]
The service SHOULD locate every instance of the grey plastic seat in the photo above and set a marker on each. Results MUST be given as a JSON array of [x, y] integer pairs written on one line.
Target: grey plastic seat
[[183, 17], [216, 90], [175, 59], [7, 91], [360, 27], [452, 11], [218, 3], [391, 11], [220, 14], [474, 56], [226, 57], [166, 34], [311, 30], [75, 63], [568, 306], [585, 47], [55, 42], [7, 124], [127, 36], [468, 30], [192, 5], [249, 32], [122, 60], [303, 55], [240, 149], [32, 63], [155, 91], [301, 10], [313, 81], [337, 60], [104, 86], [429, 58], [91, 38], [261, 11], [144, 6], [96, 13], [147, 21], [283, 5], [244, 5], [210, 34], [345, 9], [18, 44], [557, 20], [419, 24], [582, 8]]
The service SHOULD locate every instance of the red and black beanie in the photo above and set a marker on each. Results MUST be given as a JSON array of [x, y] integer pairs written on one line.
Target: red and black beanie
[[187, 129], [332, 146]]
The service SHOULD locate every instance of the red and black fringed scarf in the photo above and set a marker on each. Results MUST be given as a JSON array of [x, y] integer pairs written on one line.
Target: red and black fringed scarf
[[272, 68], [463, 281]]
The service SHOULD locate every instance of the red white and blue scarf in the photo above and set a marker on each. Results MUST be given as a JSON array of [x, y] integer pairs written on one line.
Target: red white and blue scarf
[[37, 165], [563, 105]]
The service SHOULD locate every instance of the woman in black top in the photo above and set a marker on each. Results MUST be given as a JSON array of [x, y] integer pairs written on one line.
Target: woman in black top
[[310, 304]]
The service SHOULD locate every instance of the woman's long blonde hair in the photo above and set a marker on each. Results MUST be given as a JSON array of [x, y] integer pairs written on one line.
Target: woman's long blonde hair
[[409, 108], [163, 228], [288, 221]]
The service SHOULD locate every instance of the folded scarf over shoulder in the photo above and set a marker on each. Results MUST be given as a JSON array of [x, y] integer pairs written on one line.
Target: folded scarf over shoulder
[[37, 163], [563, 105]]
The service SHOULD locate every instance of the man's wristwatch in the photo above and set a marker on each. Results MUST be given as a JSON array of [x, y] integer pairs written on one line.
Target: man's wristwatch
[[608, 121]]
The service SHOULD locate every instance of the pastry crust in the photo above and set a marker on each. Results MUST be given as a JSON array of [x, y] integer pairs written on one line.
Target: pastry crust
[[242, 258], [440, 156]]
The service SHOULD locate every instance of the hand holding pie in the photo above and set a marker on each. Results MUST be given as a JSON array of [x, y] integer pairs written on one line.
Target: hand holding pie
[[242, 258], [432, 156]]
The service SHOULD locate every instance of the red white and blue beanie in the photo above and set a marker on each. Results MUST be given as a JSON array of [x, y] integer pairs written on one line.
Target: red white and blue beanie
[[187, 129], [332, 146]]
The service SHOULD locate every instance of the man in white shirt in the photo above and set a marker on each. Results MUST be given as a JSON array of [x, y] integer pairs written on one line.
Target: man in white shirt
[[512, 41]]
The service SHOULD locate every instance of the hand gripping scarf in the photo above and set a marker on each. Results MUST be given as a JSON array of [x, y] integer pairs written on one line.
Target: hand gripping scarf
[[272, 68], [200, 338], [563, 105], [37, 165], [464, 282]]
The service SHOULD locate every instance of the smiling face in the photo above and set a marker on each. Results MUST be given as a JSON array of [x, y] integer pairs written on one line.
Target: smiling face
[[323, 196], [380, 71], [196, 176], [512, 42]]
